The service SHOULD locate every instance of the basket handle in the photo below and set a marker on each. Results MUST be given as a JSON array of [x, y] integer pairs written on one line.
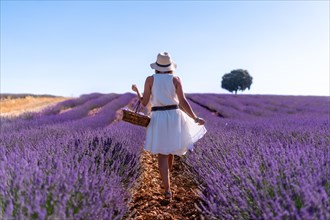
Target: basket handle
[[137, 106]]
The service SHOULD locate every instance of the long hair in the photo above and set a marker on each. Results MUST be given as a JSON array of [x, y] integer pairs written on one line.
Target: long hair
[[157, 71]]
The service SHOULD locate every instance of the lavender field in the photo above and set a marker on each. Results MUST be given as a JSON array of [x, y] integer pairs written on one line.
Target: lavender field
[[264, 157]]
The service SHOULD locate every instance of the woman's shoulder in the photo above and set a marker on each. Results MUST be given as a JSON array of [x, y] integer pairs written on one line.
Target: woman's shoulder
[[176, 79], [150, 79]]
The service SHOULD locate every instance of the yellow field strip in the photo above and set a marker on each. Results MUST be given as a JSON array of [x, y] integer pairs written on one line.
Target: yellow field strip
[[15, 107]]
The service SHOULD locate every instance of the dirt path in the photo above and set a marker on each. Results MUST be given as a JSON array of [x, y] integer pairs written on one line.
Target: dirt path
[[148, 201]]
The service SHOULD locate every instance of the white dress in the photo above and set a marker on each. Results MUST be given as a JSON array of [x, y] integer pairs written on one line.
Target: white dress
[[169, 131]]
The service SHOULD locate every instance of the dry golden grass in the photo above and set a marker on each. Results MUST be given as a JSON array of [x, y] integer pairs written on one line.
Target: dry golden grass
[[15, 107]]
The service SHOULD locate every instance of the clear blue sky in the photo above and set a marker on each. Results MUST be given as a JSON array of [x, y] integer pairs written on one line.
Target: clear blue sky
[[71, 48]]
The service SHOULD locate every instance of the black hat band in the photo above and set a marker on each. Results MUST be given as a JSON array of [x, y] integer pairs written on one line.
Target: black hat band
[[167, 65]]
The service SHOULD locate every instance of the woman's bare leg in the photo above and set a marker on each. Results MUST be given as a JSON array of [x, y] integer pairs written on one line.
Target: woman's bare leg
[[163, 170], [170, 162]]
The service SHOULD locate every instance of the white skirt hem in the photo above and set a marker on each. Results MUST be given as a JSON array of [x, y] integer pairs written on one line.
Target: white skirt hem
[[172, 132]]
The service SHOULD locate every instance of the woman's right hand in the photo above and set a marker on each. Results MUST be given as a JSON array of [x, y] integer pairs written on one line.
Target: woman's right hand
[[135, 88]]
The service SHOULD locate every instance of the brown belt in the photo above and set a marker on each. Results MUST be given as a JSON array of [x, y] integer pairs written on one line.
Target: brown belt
[[164, 108]]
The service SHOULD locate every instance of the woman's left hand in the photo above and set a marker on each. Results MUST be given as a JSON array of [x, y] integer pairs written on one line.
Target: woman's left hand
[[200, 121]]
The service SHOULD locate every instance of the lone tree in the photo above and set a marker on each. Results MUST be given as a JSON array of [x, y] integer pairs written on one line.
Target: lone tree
[[236, 80]]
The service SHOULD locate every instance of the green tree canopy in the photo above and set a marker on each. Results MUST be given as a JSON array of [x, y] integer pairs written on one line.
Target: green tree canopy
[[236, 80]]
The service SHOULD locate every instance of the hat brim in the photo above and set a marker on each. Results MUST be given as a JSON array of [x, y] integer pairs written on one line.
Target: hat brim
[[172, 67]]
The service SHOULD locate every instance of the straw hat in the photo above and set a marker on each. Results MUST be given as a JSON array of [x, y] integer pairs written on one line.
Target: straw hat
[[163, 63]]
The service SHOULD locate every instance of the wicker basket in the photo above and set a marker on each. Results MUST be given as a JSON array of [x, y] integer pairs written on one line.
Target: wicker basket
[[135, 117]]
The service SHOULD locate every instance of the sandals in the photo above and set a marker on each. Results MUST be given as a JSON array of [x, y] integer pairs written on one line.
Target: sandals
[[168, 195]]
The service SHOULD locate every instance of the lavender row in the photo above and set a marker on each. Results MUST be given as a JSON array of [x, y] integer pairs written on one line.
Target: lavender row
[[263, 168], [79, 109], [106, 114], [107, 103], [66, 171], [244, 106], [70, 103], [86, 174]]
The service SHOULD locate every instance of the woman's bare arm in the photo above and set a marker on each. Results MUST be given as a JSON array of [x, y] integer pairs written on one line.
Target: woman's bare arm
[[183, 101], [147, 90]]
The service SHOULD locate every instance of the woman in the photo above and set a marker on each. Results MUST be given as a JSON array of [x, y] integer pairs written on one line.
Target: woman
[[171, 131]]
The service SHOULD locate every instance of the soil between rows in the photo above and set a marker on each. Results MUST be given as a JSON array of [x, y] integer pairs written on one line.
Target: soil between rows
[[148, 200]]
